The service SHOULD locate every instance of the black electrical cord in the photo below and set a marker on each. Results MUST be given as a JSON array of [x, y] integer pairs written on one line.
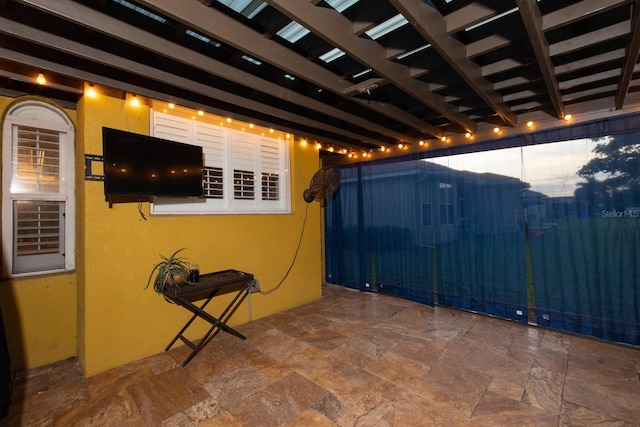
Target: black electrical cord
[[304, 222], [140, 210]]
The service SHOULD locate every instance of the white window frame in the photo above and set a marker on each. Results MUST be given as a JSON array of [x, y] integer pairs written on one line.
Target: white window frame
[[229, 150], [45, 116], [446, 199]]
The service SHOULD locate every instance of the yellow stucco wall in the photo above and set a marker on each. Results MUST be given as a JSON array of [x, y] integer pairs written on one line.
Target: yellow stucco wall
[[120, 321], [113, 317], [38, 312], [39, 319]]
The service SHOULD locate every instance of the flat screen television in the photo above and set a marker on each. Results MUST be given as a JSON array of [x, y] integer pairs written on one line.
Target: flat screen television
[[141, 166]]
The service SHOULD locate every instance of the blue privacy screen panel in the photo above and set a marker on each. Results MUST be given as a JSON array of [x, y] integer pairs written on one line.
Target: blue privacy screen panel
[[540, 228]]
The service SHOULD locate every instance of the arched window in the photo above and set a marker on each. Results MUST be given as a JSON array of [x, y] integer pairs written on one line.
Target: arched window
[[38, 190]]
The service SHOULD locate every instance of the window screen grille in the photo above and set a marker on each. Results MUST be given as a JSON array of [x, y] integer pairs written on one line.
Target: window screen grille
[[243, 185], [36, 161], [270, 186], [213, 183]]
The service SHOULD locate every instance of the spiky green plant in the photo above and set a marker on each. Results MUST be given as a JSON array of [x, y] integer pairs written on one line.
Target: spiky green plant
[[172, 271]]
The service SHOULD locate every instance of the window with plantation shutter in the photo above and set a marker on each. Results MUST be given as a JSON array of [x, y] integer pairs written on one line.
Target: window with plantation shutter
[[243, 159], [38, 228], [35, 161], [243, 172], [213, 183], [211, 139], [270, 186], [38, 204], [243, 185], [270, 168], [172, 128]]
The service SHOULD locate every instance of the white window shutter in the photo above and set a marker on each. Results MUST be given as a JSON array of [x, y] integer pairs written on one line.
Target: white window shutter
[[271, 165], [38, 227], [243, 172], [172, 128], [38, 183], [243, 162], [35, 160], [212, 140]]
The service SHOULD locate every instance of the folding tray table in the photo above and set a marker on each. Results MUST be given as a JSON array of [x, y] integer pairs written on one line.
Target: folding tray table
[[210, 285]]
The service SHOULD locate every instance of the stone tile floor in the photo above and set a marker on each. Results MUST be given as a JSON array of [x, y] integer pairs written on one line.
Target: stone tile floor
[[352, 359]]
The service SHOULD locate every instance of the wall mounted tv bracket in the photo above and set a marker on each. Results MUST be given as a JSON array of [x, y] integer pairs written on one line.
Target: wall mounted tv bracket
[[89, 160]]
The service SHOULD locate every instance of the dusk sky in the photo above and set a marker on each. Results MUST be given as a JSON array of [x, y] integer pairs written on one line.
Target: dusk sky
[[549, 168]]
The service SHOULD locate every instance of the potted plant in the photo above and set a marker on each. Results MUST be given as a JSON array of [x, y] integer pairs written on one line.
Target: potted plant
[[171, 272]]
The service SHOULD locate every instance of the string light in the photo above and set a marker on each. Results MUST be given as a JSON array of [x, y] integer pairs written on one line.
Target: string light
[[421, 142], [467, 135], [223, 121], [496, 130], [41, 79], [568, 117]]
